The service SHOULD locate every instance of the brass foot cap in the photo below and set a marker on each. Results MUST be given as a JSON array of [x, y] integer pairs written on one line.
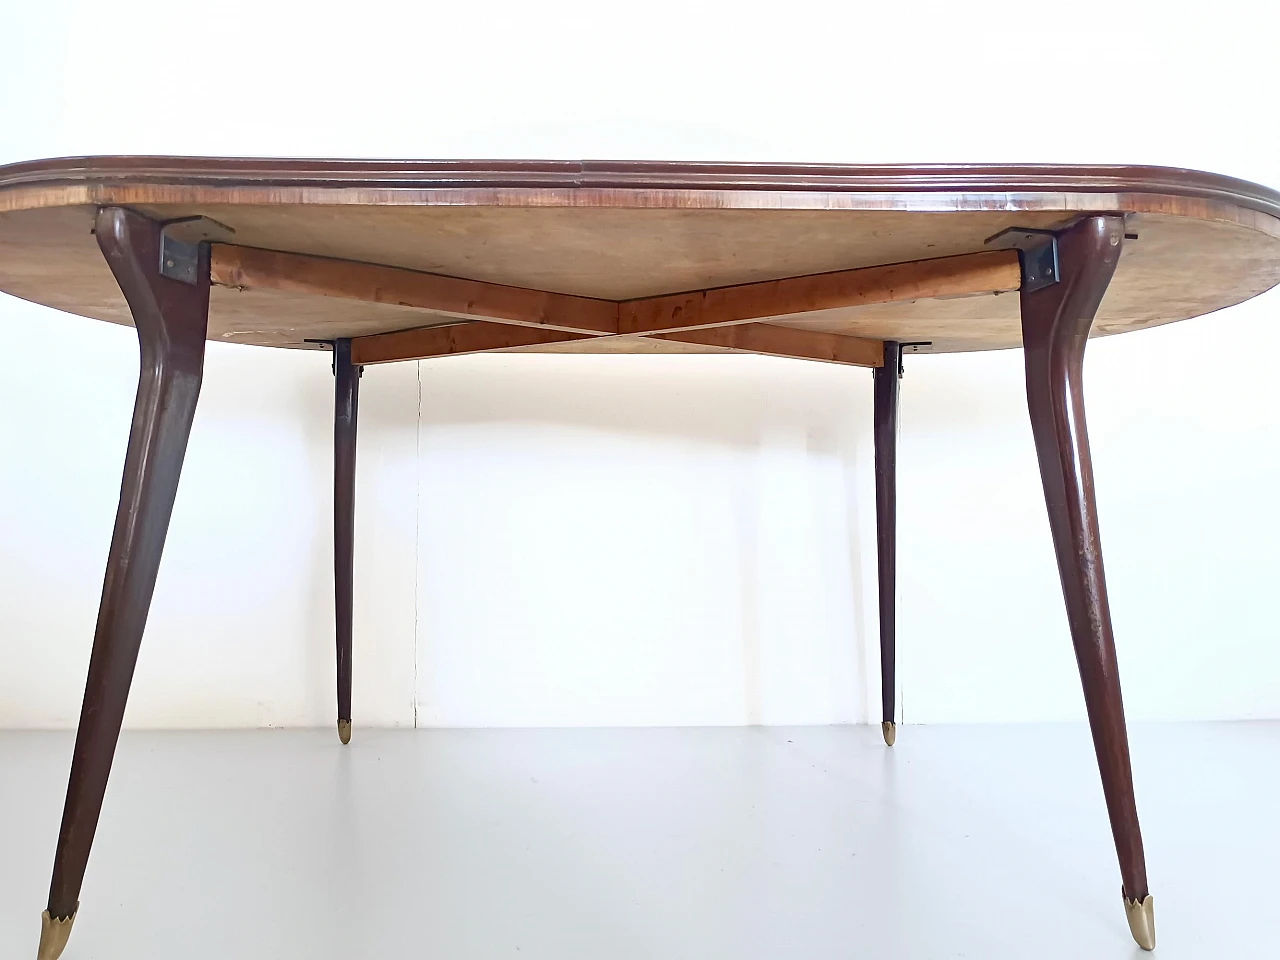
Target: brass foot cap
[[344, 731], [1142, 921], [53, 935], [890, 731]]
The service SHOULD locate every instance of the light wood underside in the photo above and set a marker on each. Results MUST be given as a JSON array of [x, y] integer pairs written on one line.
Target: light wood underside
[[247, 268], [1196, 251], [548, 318], [484, 337]]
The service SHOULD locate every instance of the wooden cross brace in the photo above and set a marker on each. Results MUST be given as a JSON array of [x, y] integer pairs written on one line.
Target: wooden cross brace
[[491, 316]]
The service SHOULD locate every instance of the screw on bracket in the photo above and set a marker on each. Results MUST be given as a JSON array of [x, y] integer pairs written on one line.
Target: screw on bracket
[[911, 346], [1037, 254], [180, 242]]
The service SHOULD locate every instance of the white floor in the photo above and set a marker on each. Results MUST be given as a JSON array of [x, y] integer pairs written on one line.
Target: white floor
[[980, 842]]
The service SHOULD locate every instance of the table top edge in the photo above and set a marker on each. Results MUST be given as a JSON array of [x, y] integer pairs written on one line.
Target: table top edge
[[407, 176]]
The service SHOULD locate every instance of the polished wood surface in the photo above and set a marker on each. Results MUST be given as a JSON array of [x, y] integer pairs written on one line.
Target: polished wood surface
[[1056, 323], [885, 438], [170, 317], [394, 261], [346, 411], [617, 231]]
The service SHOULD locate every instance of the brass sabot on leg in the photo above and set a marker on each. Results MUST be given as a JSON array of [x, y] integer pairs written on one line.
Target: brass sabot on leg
[[53, 935], [1142, 921]]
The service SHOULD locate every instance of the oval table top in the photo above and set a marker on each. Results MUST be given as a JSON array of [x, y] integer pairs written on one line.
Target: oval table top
[[614, 231]]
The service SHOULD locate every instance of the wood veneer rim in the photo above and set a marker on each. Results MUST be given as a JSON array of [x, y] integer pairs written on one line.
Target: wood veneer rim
[[619, 182]]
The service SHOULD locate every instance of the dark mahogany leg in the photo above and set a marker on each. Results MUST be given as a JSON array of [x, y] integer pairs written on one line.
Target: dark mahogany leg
[[171, 317], [886, 444], [346, 403], [1055, 326]]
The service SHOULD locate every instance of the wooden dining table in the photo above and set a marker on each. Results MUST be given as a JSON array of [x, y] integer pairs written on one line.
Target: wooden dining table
[[372, 262]]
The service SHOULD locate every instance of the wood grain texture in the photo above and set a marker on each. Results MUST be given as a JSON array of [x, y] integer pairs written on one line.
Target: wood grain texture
[[880, 186], [1056, 322], [485, 337], [977, 273], [606, 346], [621, 231], [458, 338], [885, 390], [170, 319], [346, 416], [695, 313], [777, 341], [248, 267]]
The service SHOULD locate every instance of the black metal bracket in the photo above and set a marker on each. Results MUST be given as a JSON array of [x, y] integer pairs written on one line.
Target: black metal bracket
[[180, 242], [912, 346], [1037, 254], [333, 364]]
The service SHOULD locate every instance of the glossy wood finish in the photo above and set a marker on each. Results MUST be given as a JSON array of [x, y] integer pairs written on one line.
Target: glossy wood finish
[[346, 376], [1055, 322], [885, 400], [824, 262], [868, 186], [170, 317], [619, 231]]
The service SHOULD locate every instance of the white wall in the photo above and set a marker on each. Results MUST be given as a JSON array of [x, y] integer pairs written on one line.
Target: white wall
[[656, 540]]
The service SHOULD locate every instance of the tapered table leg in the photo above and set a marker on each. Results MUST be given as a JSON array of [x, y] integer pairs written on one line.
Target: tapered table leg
[[171, 318], [346, 405], [885, 388], [1055, 326]]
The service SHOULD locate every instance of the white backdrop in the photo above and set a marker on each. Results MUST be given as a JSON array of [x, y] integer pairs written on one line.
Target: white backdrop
[[644, 540]]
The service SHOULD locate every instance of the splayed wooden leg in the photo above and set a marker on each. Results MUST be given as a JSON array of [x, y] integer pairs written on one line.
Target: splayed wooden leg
[[346, 407], [171, 318], [1055, 326], [886, 446]]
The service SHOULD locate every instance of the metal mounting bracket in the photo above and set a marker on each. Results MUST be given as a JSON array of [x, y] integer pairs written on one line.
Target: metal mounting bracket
[[911, 346], [333, 364], [1037, 254], [180, 245]]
